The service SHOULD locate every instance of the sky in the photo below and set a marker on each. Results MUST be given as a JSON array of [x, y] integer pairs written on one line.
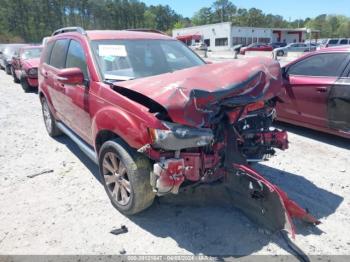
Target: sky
[[289, 9]]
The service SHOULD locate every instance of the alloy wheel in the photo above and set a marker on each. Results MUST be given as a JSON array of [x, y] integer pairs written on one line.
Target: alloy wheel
[[116, 178]]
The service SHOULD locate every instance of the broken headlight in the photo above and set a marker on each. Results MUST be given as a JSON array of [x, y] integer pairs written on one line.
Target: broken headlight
[[178, 137]]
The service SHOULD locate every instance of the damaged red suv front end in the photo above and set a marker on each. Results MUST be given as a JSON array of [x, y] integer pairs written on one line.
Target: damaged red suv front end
[[217, 118]]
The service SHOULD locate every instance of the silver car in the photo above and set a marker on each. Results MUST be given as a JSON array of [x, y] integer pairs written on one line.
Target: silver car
[[293, 47]]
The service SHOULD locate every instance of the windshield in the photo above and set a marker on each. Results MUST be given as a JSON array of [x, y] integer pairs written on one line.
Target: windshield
[[10, 51], [129, 59], [31, 53]]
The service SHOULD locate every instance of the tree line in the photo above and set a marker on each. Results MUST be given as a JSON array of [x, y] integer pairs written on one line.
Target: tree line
[[226, 11], [31, 20]]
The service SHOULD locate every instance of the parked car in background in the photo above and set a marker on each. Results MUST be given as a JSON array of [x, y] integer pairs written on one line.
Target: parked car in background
[[256, 47], [199, 46], [277, 44], [293, 47], [25, 67], [154, 116], [7, 54], [318, 91], [331, 42]]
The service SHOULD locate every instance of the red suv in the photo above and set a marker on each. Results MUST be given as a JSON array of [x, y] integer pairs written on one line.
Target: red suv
[[154, 116]]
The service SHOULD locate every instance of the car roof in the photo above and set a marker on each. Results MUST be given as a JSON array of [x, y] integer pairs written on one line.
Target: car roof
[[31, 47], [341, 48], [124, 34]]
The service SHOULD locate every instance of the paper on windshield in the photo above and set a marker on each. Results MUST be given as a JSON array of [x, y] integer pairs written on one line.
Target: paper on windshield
[[112, 50]]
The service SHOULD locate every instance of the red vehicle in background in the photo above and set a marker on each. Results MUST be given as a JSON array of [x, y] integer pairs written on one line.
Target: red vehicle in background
[[256, 47], [317, 91], [24, 67]]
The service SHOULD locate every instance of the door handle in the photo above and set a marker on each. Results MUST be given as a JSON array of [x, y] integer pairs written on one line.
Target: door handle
[[321, 89]]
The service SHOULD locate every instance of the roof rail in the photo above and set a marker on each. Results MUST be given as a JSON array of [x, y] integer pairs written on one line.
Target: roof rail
[[147, 30], [69, 29]]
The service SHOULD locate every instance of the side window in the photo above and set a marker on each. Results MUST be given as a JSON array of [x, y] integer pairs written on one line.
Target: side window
[[76, 57], [320, 65], [344, 41], [47, 52], [58, 54]]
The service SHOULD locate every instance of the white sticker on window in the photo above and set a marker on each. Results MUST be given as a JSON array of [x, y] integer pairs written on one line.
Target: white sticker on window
[[112, 50]]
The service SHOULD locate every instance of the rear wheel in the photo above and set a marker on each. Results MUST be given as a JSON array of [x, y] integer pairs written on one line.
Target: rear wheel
[[126, 177], [49, 120]]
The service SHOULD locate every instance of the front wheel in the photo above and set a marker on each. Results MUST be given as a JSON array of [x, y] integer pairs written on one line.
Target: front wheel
[[15, 79], [8, 69], [280, 53], [25, 86], [126, 177]]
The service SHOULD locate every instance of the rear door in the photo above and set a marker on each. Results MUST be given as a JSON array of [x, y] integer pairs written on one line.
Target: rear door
[[55, 88], [308, 84], [339, 103]]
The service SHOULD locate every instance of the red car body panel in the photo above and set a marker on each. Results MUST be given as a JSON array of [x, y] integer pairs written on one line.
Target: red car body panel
[[305, 98], [260, 48], [190, 97]]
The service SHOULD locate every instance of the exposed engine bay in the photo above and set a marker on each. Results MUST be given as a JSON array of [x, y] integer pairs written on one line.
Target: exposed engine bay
[[220, 152]]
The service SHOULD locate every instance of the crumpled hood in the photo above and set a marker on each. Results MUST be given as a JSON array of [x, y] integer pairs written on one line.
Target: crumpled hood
[[31, 63], [192, 96]]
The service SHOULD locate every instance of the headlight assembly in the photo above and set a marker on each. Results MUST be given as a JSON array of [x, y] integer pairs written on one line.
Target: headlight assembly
[[178, 137], [33, 72]]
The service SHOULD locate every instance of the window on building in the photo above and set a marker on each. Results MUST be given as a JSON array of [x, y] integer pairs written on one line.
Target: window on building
[[320, 65], [264, 40], [221, 41]]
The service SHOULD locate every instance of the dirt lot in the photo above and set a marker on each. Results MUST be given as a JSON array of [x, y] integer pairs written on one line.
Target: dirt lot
[[68, 212]]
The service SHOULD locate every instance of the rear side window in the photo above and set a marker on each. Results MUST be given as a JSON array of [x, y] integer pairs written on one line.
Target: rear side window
[[344, 41], [47, 52], [76, 57], [58, 54], [333, 41], [330, 64]]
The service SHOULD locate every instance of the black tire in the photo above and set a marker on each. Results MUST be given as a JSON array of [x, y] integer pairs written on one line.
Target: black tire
[[133, 168], [280, 53], [8, 69], [49, 119], [15, 79], [25, 86]]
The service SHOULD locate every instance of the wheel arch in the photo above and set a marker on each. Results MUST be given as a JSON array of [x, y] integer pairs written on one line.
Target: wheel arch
[[112, 122]]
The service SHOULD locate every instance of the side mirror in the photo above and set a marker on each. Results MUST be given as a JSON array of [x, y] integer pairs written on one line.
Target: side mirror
[[71, 76]]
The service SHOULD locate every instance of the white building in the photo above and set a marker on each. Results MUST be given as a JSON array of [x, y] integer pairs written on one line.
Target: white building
[[223, 36]]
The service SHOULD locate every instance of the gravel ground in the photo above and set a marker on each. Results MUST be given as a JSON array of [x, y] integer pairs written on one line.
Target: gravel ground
[[68, 212]]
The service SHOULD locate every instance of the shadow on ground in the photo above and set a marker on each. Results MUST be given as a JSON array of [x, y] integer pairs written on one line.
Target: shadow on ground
[[204, 221]]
